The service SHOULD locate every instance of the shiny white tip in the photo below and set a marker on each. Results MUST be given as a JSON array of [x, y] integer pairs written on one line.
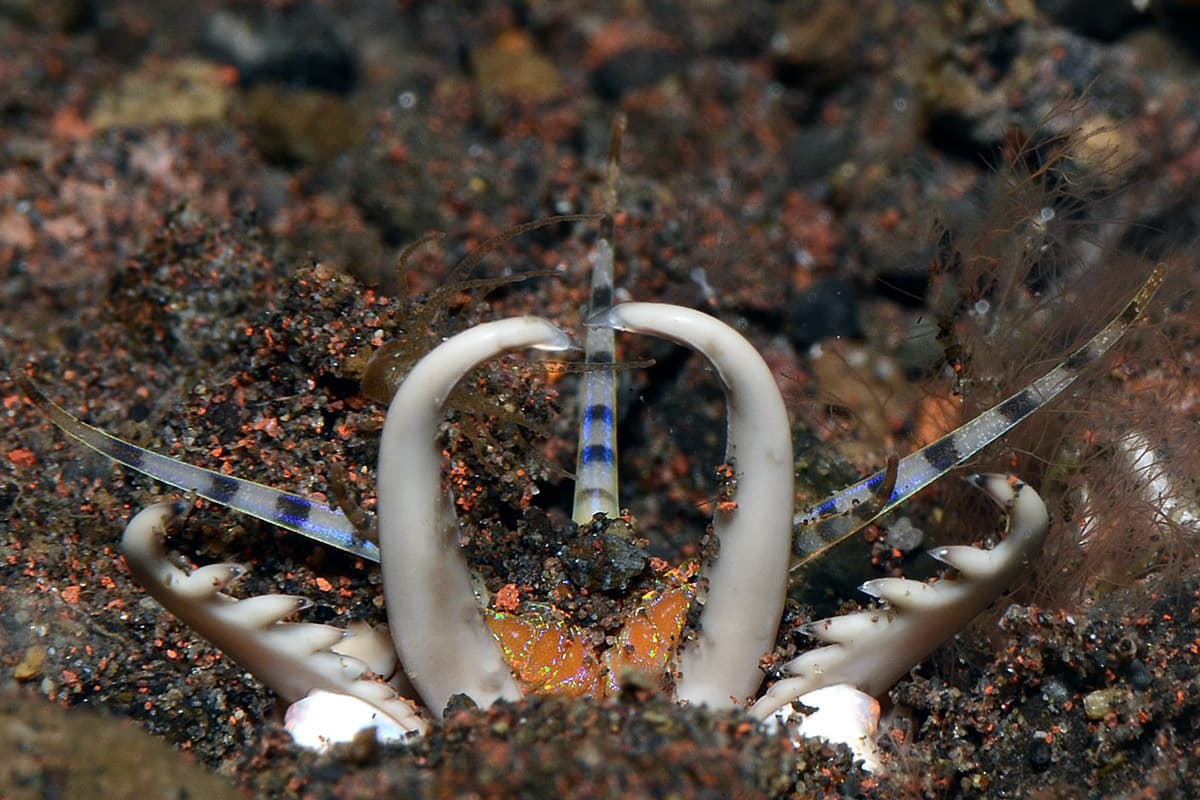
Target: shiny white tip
[[843, 715], [324, 719]]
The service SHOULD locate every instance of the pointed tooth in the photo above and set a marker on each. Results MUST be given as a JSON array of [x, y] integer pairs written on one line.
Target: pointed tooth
[[372, 646], [328, 662], [942, 554], [894, 591], [846, 628], [811, 666], [971, 562], [374, 692], [902, 594], [304, 637], [995, 486], [267, 609], [873, 588], [1027, 516], [207, 581]]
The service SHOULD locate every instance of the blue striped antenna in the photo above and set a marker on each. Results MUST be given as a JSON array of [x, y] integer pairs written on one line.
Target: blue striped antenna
[[305, 516], [596, 461], [823, 525]]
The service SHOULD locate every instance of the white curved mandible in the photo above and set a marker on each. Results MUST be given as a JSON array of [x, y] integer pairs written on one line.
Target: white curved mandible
[[747, 581], [444, 644]]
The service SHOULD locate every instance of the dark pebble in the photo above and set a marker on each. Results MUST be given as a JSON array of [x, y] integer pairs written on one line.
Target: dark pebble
[[1039, 753]]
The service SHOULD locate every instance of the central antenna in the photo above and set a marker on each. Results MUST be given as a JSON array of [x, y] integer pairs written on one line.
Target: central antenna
[[596, 462]]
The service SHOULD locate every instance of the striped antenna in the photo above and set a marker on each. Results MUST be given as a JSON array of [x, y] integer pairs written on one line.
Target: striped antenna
[[829, 522], [596, 462], [291, 511]]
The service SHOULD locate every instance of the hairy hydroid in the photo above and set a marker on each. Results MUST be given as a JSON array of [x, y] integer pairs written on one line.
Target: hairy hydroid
[[1036, 271]]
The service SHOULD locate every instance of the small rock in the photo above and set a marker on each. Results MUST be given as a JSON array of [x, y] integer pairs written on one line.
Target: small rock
[[511, 69], [1097, 705], [904, 536], [1039, 752], [31, 664], [188, 92], [300, 126]]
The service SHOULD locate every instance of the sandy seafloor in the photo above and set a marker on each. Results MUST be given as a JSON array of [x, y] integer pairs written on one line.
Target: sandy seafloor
[[201, 207]]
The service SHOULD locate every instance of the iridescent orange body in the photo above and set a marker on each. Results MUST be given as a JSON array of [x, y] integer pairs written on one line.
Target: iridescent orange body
[[549, 655]]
